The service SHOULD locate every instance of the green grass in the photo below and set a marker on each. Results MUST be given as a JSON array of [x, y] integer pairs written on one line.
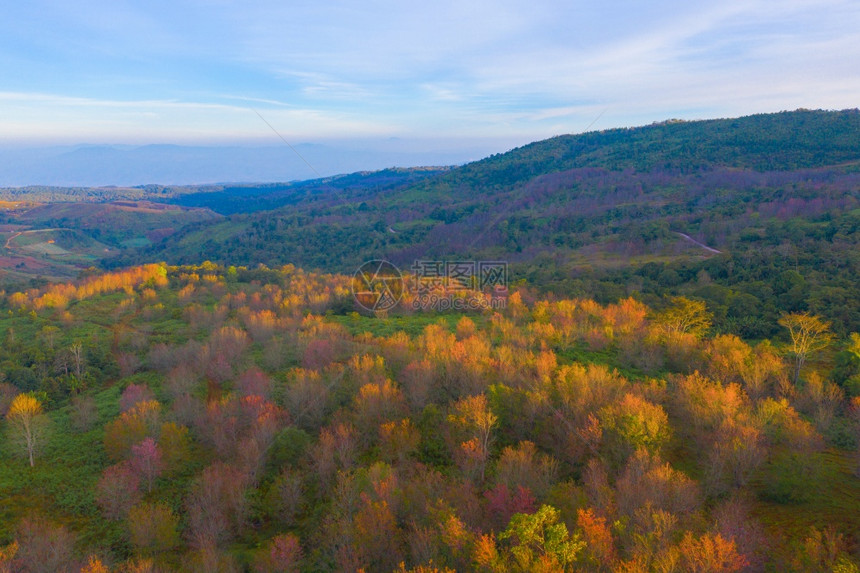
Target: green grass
[[61, 484], [832, 499], [136, 242]]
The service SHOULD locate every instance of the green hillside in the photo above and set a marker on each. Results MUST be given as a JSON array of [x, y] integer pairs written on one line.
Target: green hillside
[[769, 203]]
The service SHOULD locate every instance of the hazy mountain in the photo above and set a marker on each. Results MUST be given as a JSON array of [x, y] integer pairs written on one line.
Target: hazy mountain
[[97, 165]]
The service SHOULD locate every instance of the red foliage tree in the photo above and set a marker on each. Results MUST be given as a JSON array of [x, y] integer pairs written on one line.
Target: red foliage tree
[[502, 504], [146, 461], [254, 382], [216, 505], [132, 395], [44, 547], [117, 490], [283, 554]]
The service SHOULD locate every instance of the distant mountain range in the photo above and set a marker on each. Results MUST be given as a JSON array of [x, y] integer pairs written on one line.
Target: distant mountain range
[[99, 165]]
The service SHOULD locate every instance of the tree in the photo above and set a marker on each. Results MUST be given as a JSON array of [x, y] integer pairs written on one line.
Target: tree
[[710, 554], [525, 466], [398, 439], [7, 557], [117, 490], [600, 547], [685, 316], [541, 542], [7, 394], [95, 565], [809, 334], [174, 444], [502, 504], [152, 527], [84, 413], [133, 394], [27, 423], [285, 497], [474, 420], [146, 461], [631, 423], [216, 505], [281, 555], [44, 547], [131, 428]]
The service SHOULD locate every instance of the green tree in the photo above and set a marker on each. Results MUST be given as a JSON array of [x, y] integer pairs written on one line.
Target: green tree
[[541, 542]]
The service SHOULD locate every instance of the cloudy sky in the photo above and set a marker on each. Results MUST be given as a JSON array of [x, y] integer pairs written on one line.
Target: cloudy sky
[[504, 72]]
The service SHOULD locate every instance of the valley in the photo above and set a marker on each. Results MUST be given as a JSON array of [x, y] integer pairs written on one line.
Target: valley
[[196, 378]]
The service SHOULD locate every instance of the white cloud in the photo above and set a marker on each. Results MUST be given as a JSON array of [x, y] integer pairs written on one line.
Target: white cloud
[[182, 69]]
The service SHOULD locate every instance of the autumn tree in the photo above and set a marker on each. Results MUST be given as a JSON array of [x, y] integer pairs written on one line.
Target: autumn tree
[[503, 502], [524, 466], [254, 382], [217, 506], [44, 547], [152, 528], [305, 397], [27, 425], [809, 334], [823, 550], [375, 404], [174, 445], [684, 316], [600, 547], [117, 490], [473, 421], [541, 542], [285, 497], [631, 423], [710, 553], [93, 565], [648, 482], [335, 450], [417, 379], [146, 461], [132, 395], [735, 454], [398, 439], [144, 419], [282, 554], [7, 557]]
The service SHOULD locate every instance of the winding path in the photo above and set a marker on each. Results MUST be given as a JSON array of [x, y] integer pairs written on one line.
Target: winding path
[[704, 246]]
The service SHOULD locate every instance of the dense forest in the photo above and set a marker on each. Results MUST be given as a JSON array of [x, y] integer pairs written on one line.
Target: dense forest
[[211, 418]]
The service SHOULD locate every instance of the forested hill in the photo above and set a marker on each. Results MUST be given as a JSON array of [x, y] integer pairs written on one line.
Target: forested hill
[[605, 214], [765, 142]]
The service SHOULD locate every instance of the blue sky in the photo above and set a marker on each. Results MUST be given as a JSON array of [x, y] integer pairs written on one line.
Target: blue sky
[[442, 73]]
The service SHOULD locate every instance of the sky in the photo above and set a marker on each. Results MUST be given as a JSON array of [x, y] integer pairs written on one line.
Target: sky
[[442, 74]]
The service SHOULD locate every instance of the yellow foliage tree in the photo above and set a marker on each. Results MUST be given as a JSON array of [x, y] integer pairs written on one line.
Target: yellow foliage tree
[[685, 316], [809, 334], [27, 424]]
